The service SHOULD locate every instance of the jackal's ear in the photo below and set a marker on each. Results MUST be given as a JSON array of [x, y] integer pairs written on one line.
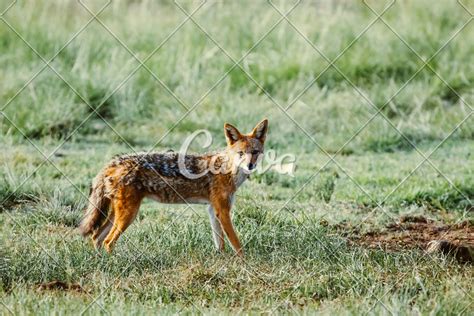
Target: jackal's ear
[[232, 134], [260, 131]]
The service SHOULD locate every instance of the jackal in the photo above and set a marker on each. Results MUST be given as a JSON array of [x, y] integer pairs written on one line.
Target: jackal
[[119, 188]]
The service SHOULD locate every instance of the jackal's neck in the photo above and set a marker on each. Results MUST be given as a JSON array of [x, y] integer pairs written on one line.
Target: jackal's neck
[[223, 162], [237, 173]]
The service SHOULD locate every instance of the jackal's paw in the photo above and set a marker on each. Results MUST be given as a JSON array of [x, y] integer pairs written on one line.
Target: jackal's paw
[[109, 247], [240, 254], [97, 244]]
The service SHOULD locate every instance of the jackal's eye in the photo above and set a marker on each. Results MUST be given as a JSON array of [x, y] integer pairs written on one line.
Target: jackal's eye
[[241, 154]]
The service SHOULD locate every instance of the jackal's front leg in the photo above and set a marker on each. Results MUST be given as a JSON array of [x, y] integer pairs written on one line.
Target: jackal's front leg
[[222, 206], [217, 233]]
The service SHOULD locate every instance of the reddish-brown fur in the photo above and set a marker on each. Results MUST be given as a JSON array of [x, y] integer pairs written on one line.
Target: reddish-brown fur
[[119, 189]]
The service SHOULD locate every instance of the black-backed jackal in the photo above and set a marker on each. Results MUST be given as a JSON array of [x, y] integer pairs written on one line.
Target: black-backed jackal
[[118, 190]]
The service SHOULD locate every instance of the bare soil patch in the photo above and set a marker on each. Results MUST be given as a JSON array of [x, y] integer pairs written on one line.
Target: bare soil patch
[[418, 232]]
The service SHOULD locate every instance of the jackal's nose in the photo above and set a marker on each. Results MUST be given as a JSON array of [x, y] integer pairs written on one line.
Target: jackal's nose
[[252, 166]]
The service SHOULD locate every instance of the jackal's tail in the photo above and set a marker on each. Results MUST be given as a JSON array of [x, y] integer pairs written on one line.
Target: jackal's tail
[[97, 209]]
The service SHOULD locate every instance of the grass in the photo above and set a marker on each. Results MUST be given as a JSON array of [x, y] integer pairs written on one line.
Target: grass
[[297, 258]]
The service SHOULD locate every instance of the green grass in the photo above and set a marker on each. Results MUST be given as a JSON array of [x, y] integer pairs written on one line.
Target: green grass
[[297, 260]]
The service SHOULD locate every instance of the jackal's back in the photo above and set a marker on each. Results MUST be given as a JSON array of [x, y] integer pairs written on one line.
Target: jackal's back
[[158, 175]]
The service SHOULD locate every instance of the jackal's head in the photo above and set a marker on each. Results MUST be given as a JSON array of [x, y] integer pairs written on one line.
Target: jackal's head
[[246, 149]]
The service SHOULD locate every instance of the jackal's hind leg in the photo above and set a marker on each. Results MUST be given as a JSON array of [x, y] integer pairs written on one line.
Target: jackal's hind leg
[[103, 232], [125, 206]]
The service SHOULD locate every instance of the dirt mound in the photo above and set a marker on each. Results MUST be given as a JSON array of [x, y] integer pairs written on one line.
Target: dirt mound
[[422, 233], [59, 286]]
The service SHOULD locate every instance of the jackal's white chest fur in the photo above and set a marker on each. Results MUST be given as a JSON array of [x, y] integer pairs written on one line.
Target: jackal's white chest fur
[[240, 177]]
